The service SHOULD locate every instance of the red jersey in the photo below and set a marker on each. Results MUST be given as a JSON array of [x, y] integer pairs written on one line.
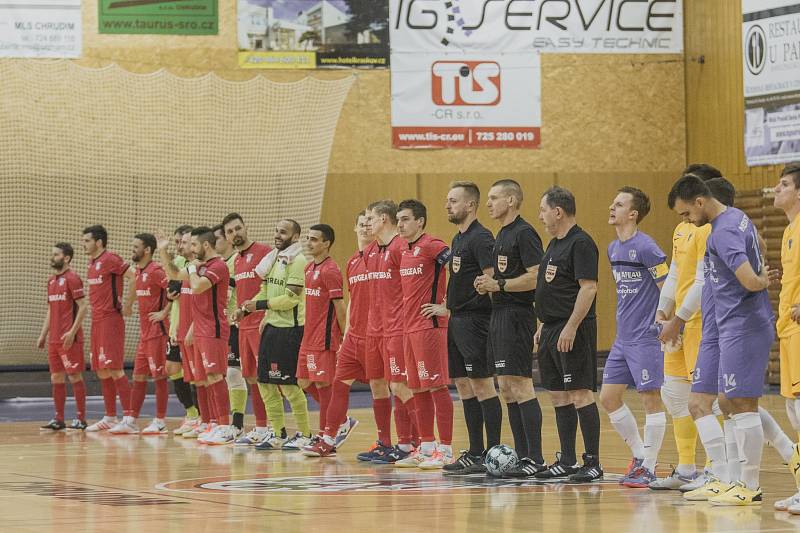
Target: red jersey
[[374, 321], [62, 292], [247, 281], [185, 311], [151, 294], [357, 284], [323, 285], [208, 308], [390, 289], [104, 277], [423, 277]]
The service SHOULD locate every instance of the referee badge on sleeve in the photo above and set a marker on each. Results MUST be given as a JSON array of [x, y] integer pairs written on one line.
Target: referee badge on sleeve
[[502, 263], [550, 273], [456, 262]]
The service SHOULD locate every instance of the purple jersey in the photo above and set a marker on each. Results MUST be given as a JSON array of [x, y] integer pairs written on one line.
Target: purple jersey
[[733, 241], [637, 265], [710, 330]]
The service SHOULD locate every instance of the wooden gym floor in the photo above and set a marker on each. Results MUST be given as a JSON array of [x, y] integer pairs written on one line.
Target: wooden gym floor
[[98, 482]]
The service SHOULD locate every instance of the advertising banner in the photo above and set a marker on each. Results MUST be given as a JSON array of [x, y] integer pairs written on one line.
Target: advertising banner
[[41, 28], [166, 17]]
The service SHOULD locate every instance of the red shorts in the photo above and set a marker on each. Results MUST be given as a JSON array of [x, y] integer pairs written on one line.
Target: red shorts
[[351, 361], [70, 361], [316, 365], [107, 345], [373, 358], [426, 358], [151, 357], [394, 363], [211, 354], [187, 361], [249, 340]]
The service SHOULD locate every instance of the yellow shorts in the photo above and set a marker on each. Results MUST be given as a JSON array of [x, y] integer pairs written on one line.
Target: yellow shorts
[[681, 363], [790, 366]]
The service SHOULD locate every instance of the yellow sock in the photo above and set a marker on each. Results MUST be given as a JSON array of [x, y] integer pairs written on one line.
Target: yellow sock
[[273, 402], [299, 404], [685, 439]]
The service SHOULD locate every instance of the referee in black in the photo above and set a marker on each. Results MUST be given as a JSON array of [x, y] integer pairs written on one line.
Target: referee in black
[[516, 257], [470, 364], [567, 337]]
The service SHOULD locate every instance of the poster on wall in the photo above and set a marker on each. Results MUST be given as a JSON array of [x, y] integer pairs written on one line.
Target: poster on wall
[[771, 56], [41, 28], [307, 34], [162, 17]]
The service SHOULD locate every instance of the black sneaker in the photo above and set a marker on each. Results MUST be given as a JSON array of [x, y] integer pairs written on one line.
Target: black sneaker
[[389, 456], [559, 469], [590, 471], [526, 467], [460, 465], [54, 425], [377, 448], [77, 425]]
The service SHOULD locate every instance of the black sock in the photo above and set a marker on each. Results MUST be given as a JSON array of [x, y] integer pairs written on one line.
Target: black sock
[[590, 428], [567, 424], [515, 420], [238, 420], [493, 420], [474, 419], [532, 423], [194, 396], [184, 392]]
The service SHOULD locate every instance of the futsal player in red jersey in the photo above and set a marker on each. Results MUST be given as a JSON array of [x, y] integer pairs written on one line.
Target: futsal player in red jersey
[[66, 309], [105, 278]]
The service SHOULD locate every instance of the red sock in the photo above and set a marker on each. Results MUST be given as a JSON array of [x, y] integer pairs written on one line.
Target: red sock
[[202, 404], [137, 397], [382, 409], [59, 399], [444, 415], [258, 406], [212, 404], [411, 409], [324, 402], [124, 393], [313, 391], [223, 402], [109, 396], [337, 408], [162, 396], [401, 422], [425, 415], [79, 391]]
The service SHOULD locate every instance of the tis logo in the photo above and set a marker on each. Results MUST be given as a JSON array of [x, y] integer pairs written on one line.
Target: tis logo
[[470, 83]]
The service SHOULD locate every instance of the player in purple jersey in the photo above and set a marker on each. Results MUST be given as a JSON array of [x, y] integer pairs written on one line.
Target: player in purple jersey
[[738, 279], [639, 268]]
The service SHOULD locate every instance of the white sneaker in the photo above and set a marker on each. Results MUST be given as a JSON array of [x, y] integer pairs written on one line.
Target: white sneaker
[[104, 424], [196, 431], [783, 505], [296, 443], [437, 460], [126, 427], [222, 435], [412, 461], [210, 430], [256, 436], [271, 443], [345, 430], [156, 427], [236, 432], [699, 481], [188, 424]]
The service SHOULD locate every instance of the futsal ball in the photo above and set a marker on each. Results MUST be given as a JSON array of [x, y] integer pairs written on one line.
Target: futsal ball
[[500, 459]]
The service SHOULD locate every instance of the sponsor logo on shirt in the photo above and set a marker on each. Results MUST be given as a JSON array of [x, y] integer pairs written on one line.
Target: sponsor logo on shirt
[[186, 290], [95, 281], [357, 278], [627, 276], [743, 223], [57, 298], [312, 292], [422, 372], [502, 263], [411, 271], [274, 372], [456, 262], [142, 292], [244, 275], [311, 362], [394, 368]]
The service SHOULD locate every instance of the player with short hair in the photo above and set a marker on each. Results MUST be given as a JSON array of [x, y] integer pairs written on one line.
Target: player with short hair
[[105, 278], [150, 284], [566, 288], [423, 279], [639, 268], [66, 309], [516, 256]]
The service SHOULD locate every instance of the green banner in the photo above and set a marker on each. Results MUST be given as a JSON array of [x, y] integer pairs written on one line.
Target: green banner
[[172, 17]]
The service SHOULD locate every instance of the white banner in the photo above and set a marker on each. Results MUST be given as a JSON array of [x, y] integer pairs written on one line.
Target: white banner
[[566, 26], [771, 57], [40, 28]]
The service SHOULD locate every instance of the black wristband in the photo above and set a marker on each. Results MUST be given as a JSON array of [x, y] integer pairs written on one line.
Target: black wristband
[[261, 305]]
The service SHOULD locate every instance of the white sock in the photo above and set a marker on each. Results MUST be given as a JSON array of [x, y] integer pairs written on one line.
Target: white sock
[[750, 436], [624, 422], [792, 407], [427, 448], [732, 449], [654, 427], [775, 436], [713, 440], [715, 409]]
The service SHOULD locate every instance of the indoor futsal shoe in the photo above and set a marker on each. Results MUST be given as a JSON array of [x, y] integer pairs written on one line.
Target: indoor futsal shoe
[[783, 505], [438, 460], [296, 443], [54, 425], [388, 455], [256, 436], [632, 467], [126, 427], [77, 425], [413, 459], [459, 467], [674, 481], [590, 471], [525, 467], [345, 430], [104, 424], [320, 448], [711, 489], [187, 425], [156, 427], [640, 478], [557, 470], [794, 463], [737, 495], [369, 455]]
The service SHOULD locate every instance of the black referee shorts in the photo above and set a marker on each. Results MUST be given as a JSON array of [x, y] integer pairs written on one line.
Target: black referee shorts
[[575, 370], [173, 352], [468, 353], [277, 355], [233, 347], [511, 331]]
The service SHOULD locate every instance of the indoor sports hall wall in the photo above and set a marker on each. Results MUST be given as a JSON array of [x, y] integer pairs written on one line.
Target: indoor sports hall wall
[[607, 121]]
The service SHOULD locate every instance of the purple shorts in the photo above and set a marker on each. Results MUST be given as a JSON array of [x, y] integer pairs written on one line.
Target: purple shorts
[[640, 364], [706, 376], [743, 364]]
